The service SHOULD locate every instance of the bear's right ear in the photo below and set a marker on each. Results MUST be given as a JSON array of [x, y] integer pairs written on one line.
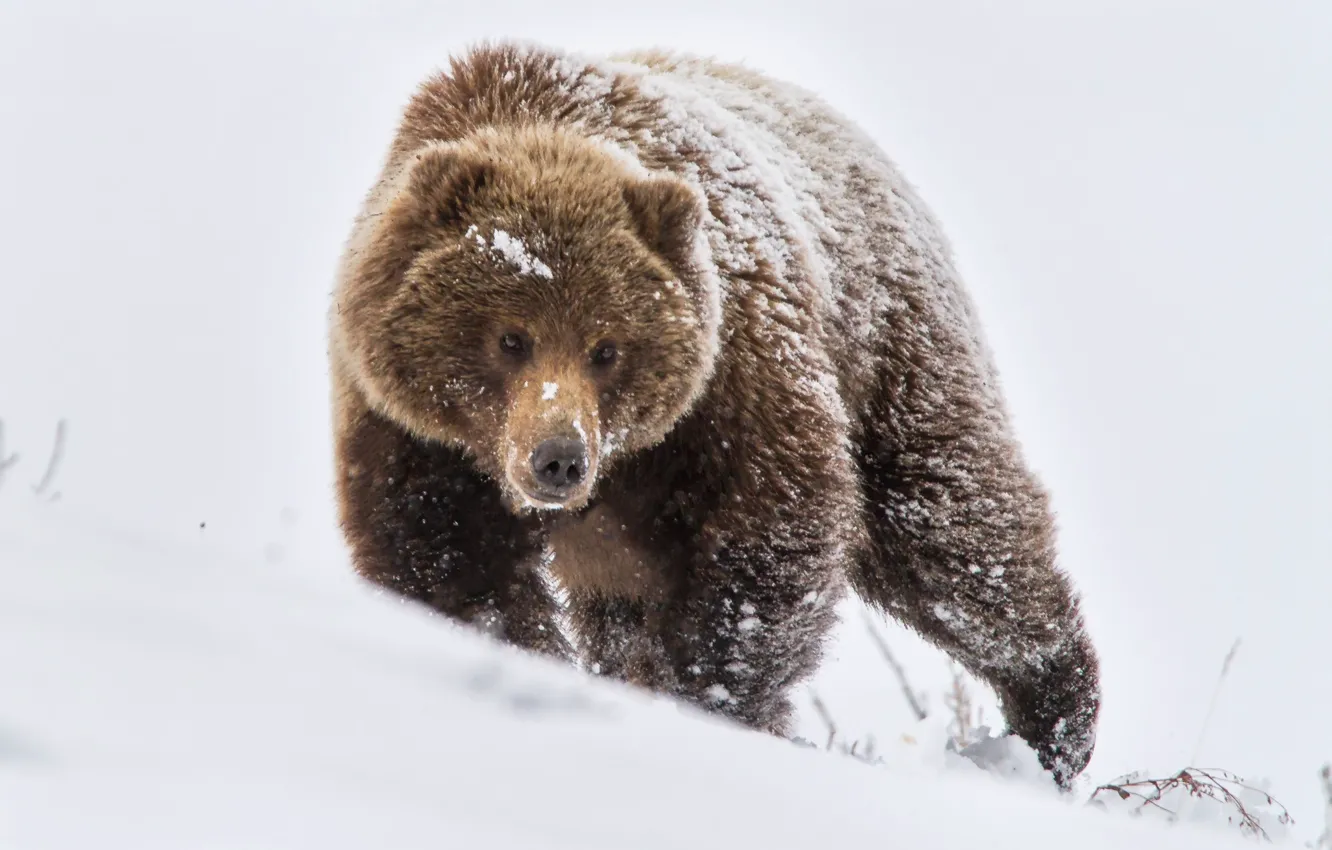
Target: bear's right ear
[[666, 212], [444, 181]]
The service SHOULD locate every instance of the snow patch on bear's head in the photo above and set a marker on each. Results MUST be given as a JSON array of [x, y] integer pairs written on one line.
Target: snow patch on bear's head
[[511, 250]]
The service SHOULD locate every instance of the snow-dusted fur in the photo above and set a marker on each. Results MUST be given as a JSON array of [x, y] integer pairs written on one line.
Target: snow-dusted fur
[[805, 398]]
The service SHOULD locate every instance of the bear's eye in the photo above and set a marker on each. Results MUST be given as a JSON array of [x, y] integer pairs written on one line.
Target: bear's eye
[[604, 354], [513, 344]]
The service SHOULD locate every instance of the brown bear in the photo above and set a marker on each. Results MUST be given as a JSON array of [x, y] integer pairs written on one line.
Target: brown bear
[[670, 349]]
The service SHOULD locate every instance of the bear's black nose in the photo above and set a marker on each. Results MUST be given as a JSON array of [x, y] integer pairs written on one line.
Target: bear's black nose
[[559, 463]]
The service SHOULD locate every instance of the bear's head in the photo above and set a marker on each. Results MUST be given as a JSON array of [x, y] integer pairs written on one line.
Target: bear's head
[[535, 298]]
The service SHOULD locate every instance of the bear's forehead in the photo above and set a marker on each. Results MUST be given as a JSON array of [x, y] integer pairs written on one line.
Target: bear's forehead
[[564, 259], [532, 281]]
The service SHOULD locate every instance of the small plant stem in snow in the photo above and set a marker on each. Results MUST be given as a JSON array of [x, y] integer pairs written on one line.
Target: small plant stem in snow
[[1196, 783], [1216, 693], [6, 461], [907, 691], [958, 699], [53, 466], [1326, 775], [826, 717]]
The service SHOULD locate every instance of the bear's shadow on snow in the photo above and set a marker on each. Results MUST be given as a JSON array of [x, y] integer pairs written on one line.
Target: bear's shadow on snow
[[526, 697], [18, 749]]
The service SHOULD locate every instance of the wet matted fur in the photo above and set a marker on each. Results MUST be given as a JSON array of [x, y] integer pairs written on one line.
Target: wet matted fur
[[797, 396]]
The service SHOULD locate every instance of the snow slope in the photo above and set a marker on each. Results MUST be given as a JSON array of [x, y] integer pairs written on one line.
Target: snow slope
[[166, 696]]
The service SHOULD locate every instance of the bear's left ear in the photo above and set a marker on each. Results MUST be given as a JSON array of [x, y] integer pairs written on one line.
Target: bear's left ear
[[666, 212]]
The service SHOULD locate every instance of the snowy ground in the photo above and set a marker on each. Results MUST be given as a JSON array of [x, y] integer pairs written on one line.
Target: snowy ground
[[166, 696], [1138, 193]]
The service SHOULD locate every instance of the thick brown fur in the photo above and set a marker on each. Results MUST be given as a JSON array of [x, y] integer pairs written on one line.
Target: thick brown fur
[[800, 398]]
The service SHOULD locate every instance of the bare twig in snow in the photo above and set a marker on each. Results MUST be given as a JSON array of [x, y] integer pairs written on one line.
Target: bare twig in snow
[[1217, 785], [896, 666], [865, 751], [826, 717], [1216, 693], [1326, 775], [869, 753], [6, 461], [958, 700], [53, 466]]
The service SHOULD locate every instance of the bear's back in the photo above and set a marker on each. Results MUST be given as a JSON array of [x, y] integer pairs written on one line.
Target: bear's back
[[827, 214]]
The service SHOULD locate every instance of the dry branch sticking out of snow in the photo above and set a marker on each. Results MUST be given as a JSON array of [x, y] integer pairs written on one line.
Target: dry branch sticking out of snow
[[6, 460], [1326, 774], [913, 700], [53, 465], [1204, 792], [43, 487]]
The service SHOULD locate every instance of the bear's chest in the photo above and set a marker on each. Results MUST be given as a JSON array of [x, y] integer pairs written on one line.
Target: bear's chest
[[596, 552]]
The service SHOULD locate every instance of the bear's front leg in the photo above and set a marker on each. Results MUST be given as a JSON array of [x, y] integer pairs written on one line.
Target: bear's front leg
[[621, 638], [768, 521], [424, 523], [752, 625]]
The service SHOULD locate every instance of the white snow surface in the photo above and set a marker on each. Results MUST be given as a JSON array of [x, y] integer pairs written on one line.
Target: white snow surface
[[173, 696]]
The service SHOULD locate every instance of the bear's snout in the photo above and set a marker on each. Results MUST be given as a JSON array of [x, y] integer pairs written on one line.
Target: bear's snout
[[559, 466], [550, 442]]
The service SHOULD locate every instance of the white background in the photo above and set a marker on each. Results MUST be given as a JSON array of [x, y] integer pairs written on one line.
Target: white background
[[1139, 194]]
